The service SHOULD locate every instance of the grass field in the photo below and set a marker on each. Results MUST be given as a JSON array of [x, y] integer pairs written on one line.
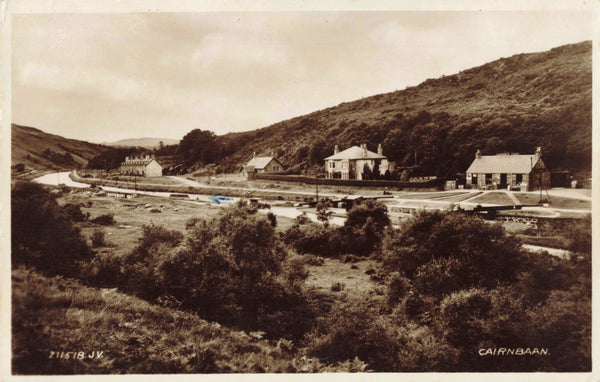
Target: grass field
[[493, 198], [132, 214], [555, 201]]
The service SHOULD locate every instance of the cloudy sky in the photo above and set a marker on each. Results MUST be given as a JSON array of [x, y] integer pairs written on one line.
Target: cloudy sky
[[104, 77]]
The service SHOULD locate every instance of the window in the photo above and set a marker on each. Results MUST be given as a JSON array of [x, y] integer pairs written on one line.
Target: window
[[332, 164], [519, 178], [488, 178]]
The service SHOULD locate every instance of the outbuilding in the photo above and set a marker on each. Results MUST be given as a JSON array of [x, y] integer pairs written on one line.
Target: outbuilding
[[259, 165]]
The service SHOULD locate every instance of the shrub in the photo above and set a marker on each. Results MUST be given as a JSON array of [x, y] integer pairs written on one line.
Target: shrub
[[107, 219], [73, 212], [364, 228], [397, 287], [580, 234], [337, 286], [323, 213], [104, 271], [141, 265], [42, 234], [294, 270], [98, 238], [351, 332], [233, 270], [272, 219], [191, 223], [313, 260], [446, 252], [463, 314], [313, 238]]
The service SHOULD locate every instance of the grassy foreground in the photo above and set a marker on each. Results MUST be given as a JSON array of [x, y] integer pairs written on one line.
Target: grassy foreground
[[135, 337]]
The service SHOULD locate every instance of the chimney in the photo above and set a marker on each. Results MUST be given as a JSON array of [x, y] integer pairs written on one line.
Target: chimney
[[336, 150], [254, 154], [538, 152], [478, 154], [379, 149], [126, 159], [364, 147]]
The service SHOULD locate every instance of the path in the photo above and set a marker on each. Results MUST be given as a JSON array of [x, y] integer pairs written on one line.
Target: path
[[513, 198], [193, 183]]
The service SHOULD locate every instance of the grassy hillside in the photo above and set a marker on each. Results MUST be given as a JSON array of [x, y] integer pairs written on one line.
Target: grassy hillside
[[38, 150], [53, 315], [512, 104]]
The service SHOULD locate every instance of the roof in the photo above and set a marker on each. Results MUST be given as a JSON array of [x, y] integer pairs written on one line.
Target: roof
[[355, 152], [505, 163], [138, 162], [260, 162]]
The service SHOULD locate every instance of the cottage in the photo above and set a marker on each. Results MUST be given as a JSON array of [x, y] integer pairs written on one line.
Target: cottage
[[352, 162], [144, 165], [259, 165], [508, 171]]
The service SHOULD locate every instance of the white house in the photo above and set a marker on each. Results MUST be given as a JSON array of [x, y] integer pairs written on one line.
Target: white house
[[351, 163], [141, 165]]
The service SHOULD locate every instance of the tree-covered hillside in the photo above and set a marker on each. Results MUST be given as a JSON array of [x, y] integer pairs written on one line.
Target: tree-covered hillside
[[509, 105]]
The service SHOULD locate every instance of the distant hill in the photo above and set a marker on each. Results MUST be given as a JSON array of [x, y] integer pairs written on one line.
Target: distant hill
[[509, 105], [37, 150], [147, 143]]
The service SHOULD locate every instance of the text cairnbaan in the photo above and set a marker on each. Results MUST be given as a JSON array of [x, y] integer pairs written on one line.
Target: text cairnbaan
[[513, 351]]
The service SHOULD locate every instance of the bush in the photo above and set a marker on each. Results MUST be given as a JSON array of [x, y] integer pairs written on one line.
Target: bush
[[364, 228], [42, 234], [313, 260], [446, 252], [351, 332], [314, 239], [478, 319], [107, 219], [463, 314], [73, 212], [104, 271], [323, 213], [98, 238], [337, 286], [142, 264], [294, 270], [397, 288], [231, 270]]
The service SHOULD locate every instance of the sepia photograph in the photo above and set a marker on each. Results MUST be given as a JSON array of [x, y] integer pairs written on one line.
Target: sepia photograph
[[341, 189]]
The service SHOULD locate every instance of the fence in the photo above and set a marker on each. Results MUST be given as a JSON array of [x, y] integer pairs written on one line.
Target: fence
[[437, 184]]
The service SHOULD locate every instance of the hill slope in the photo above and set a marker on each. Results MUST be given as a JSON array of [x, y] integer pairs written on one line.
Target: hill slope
[[148, 143], [53, 315], [512, 104], [38, 150]]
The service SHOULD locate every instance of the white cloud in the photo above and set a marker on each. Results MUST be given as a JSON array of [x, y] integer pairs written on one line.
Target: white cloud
[[238, 49]]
